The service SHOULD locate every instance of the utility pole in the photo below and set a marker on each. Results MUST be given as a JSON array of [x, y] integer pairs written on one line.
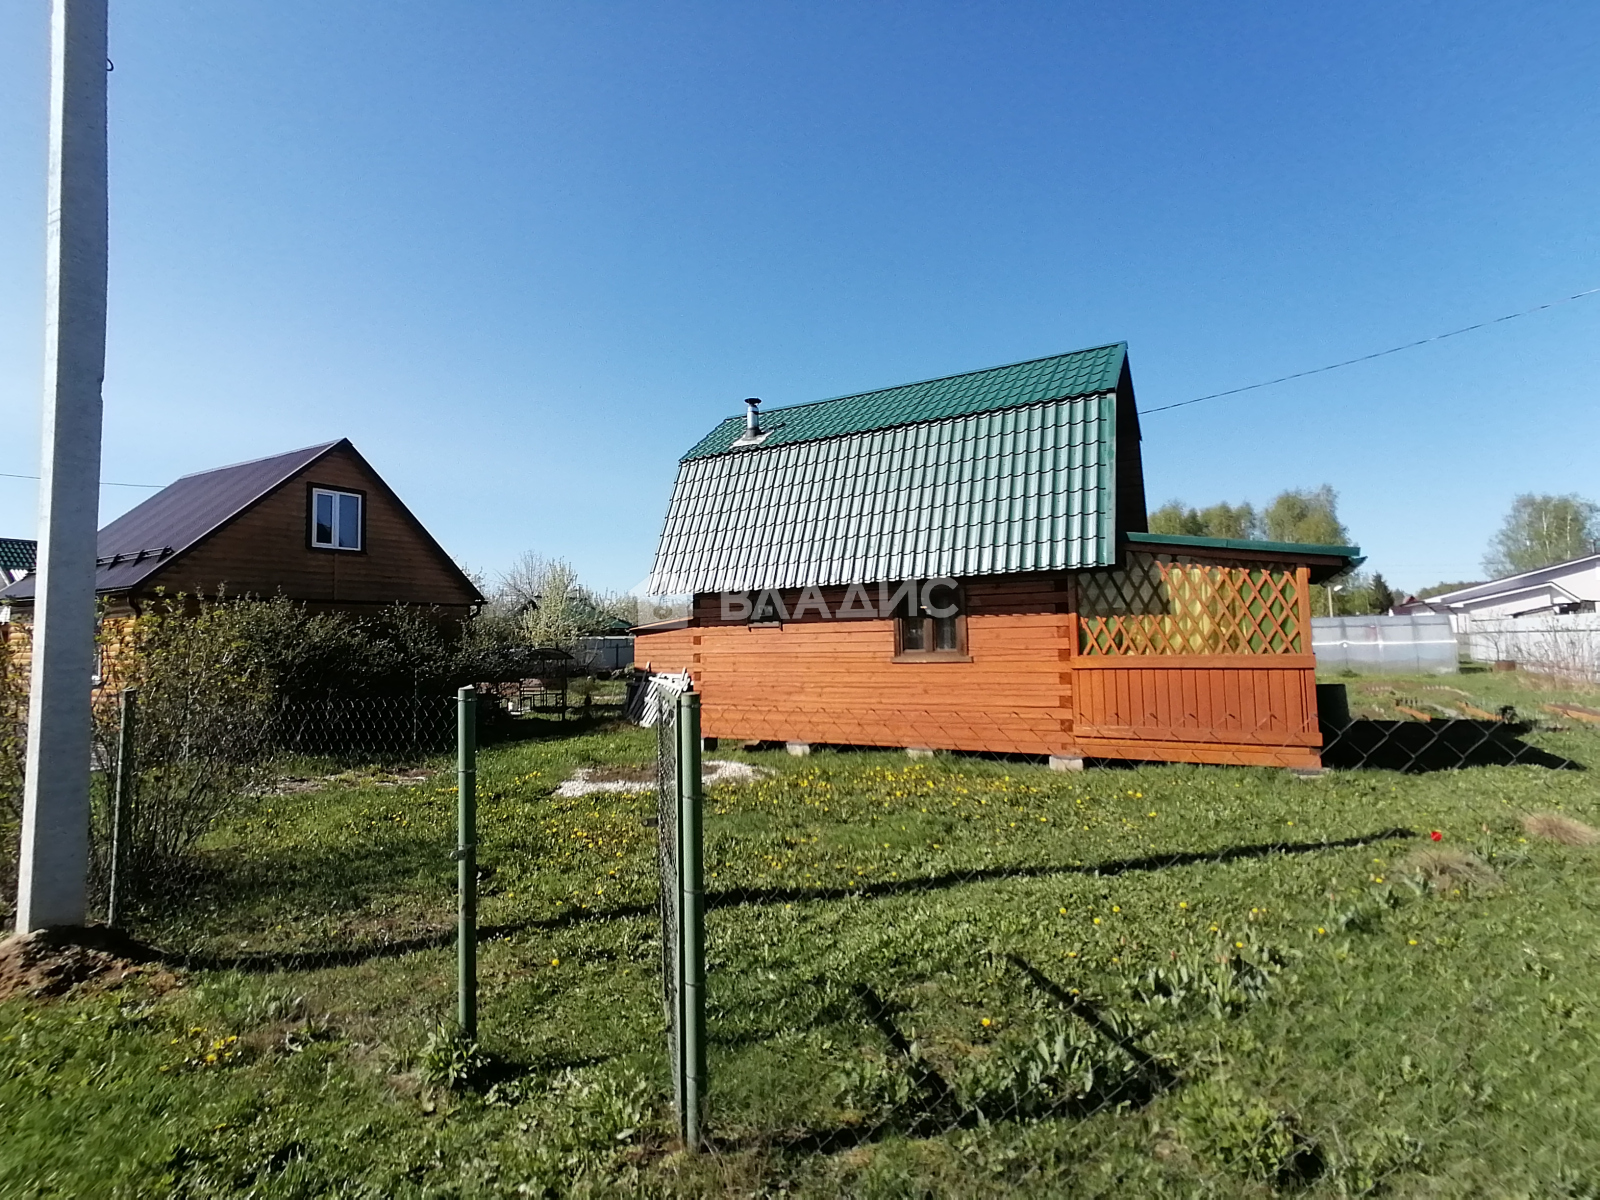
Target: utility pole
[[52, 875]]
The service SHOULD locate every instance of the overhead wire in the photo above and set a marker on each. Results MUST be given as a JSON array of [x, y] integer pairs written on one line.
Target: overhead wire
[[103, 483], [1350, 362], [1249, 387]]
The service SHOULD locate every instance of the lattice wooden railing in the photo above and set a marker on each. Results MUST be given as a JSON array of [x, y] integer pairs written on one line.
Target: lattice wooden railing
[[1163, 604]]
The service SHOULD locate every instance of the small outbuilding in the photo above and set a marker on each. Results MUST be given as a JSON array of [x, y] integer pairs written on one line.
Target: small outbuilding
[[964, 564]]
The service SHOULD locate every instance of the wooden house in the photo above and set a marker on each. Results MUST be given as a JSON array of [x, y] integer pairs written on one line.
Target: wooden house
[[963, 564], [317, 525]]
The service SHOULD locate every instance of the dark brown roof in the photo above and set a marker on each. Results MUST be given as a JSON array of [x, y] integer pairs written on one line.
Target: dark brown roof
[[148, 536]]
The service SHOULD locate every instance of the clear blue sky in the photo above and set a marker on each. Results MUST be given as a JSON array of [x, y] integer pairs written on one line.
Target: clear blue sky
[[524, 254]]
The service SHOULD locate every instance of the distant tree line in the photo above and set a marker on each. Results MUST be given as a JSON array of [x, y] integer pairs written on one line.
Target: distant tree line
[[1300, 516]]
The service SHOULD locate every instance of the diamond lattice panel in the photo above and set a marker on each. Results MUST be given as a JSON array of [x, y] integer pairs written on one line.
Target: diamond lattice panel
[[1174, 604]]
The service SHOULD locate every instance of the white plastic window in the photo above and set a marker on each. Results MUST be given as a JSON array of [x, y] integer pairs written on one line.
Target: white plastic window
[[335, 520]]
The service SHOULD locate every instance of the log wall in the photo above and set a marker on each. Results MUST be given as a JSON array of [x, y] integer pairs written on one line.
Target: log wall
[[1027, 688]]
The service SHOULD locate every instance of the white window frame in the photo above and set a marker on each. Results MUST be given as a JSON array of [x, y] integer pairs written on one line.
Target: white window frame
[[339, 498]]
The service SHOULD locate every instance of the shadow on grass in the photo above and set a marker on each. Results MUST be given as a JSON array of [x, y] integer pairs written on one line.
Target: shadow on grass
[[935, 1107], [727, 897], [1418, 747], [310, 960]]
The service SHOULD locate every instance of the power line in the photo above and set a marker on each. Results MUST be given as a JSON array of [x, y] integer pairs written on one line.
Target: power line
[[1438, 337], [103, 482]]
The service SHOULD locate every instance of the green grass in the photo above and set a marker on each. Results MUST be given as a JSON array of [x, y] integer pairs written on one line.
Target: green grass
[[946, 977]]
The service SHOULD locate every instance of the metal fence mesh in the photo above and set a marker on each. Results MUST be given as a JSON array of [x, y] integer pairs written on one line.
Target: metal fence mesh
[[947, 973], [671, 897]]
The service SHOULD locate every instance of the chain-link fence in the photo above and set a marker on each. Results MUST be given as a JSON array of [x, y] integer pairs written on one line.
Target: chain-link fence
[[961, 972], [943, 972]]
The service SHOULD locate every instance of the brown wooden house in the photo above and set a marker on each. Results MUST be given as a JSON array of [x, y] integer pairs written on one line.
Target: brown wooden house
[[318, 525], [963, 564]]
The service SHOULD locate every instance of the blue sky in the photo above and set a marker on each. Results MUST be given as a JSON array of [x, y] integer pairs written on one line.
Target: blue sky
[[524, 254]]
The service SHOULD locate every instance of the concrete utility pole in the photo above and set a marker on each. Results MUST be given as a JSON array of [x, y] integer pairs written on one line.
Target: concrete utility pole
[[52, 876]]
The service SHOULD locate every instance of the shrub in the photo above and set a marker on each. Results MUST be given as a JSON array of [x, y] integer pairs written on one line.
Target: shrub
[[13, 738], [204, 708]]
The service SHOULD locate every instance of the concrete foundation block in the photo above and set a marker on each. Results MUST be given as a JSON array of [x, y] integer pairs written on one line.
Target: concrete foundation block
[[798, 749], [918, 752], [1066, 762]]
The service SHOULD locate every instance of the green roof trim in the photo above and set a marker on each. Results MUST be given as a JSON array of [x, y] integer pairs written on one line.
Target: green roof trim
[[1182, 539], [1058, 377]]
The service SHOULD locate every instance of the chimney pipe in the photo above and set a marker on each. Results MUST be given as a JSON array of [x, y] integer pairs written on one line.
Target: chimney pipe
[[752, 418]]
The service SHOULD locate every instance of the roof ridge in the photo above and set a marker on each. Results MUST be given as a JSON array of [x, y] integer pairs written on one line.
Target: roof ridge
[[250, 462], [894, 387], [1565, 562]]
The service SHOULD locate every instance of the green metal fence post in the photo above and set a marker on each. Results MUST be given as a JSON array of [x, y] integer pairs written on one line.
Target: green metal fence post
[[127, 717], [467, 860], [693, 917]]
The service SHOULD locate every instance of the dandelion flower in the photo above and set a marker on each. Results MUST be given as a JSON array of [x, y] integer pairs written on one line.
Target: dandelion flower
[[986, 1022], [555, 962]]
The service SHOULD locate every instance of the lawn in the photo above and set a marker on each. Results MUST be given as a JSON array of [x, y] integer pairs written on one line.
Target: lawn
[[935, 977]]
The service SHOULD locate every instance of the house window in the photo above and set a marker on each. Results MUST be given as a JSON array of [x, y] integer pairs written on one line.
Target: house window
[[335, 519], [923, 636]]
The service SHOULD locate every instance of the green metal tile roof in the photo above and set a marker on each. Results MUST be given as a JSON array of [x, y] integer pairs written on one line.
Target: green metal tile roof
[[1081, 373], [1183, 539], [17, 554], [1320, 572], [996, 476]]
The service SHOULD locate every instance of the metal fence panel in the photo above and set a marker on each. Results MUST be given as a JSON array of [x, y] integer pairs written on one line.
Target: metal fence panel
[[1562, 644]]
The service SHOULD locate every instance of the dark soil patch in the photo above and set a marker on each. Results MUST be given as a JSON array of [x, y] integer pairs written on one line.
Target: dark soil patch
[[52, 962]]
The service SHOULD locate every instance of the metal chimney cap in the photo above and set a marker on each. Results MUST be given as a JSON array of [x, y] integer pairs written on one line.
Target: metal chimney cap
[[753, 434]]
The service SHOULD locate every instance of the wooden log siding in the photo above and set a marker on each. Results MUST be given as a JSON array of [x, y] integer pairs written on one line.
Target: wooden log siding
[[1042, 679], [266, 550]]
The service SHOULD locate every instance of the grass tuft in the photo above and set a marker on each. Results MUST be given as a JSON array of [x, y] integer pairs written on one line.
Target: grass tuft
[[1446, 870], [1557, 827]]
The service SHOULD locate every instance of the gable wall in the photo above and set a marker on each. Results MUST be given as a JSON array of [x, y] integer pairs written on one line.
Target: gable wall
[[266, 551]]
